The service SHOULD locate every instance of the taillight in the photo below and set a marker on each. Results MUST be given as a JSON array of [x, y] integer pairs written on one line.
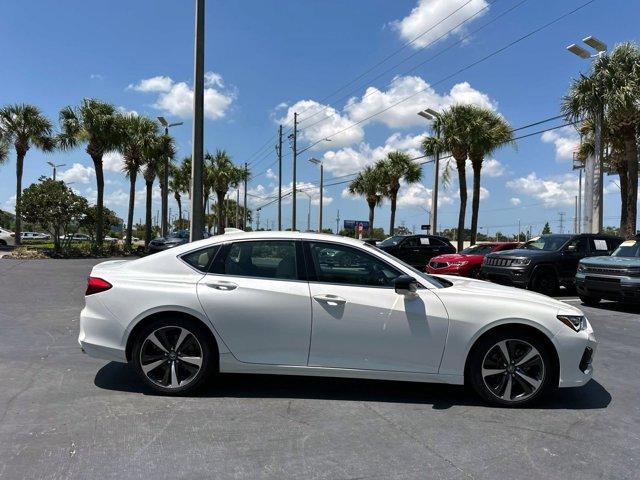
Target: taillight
[[96, 285]]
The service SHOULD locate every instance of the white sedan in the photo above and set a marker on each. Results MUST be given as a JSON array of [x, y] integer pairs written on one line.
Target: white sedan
[[307, 304]]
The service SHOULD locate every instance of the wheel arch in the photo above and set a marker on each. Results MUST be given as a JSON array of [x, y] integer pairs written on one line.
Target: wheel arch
[[539, 267], [150, 316], [516, 326]]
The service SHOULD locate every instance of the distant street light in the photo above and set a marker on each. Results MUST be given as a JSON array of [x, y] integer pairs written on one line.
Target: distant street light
[[319, 162], [165, 187], [309, 210], [55, 167], [593, 168], [431, 115]]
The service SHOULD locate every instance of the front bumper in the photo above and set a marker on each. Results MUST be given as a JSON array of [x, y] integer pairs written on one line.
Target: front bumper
[[513, 276], [576, 351], [625, 289]]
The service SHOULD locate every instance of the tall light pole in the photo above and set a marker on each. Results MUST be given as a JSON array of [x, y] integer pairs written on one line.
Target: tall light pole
[[593, 168], [432, 115], [197, 156], [55, 167], [165, 184], [319, 162], [294, 150], [309, 209], [279, 152]]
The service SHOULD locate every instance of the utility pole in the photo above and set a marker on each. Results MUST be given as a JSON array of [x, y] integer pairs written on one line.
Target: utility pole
[[575, 217], [244, 213], [165, 179], [279, 151], [197, 156], [294, 137], [258, 219], [519, 230], [55, 168], [431, 114], [237, 208], [561, 221], [315, 161], [338, 222]]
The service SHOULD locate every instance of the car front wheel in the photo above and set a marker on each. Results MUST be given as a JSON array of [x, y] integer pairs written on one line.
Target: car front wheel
[[545, 281], [590, 301], [511, 368], [172, 356]]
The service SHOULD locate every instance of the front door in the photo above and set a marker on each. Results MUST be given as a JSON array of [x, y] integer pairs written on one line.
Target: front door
[[257, 303], [360, 322]]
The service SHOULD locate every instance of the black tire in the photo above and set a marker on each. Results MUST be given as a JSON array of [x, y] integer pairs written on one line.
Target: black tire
[[168, 330], [475, 273], [492, 387], [590, 301], [3, 243], [545, 281]]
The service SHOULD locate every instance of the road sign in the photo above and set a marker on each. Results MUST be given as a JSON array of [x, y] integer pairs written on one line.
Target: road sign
[[354, 224], [425, 227]]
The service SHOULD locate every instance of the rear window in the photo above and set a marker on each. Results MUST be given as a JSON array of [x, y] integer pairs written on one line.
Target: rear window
[[201, 259]]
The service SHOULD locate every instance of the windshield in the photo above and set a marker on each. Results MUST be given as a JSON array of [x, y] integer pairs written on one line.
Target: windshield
[[548, 243], [436, 282], [628, 248], [391, 241], [478, 250]]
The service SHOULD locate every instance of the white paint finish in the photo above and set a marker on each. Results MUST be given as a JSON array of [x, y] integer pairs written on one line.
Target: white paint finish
[[377, 329], [260, 320]]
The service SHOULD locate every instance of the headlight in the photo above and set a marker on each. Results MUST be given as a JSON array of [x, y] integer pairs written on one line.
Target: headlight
[[521, 261], [575, 322], [582, 268], [457, 264]]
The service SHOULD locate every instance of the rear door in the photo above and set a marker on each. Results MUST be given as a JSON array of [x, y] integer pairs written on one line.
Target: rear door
[[568, 265], [258, 300], [360, 322]]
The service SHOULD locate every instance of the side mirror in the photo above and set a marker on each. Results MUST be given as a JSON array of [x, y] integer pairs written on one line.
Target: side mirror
[[405, 285], [572, 249]]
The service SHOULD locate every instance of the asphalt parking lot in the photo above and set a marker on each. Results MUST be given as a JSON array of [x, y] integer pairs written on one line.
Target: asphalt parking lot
[[65, 415]]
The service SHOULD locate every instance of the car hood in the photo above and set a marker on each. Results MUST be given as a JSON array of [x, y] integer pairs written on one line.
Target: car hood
[[470, 287], [458, 257], [522, 252], [616, 261]]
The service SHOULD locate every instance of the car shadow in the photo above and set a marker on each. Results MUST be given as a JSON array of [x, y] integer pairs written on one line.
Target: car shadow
[[121, 377], [618, 307]]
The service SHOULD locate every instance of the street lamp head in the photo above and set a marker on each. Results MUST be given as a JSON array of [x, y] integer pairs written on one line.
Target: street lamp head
[[432, 112], [163, 121], [424, 114], [579, 51], [596, 44], [315, 161], [176, 124]]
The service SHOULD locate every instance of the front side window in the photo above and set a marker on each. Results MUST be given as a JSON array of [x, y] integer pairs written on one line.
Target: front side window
[[392, 241], [274, 259], [346, 265], [581, 245]]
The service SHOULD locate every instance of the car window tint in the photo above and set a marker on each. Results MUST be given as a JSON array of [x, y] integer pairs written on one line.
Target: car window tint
[[345, 265], [581, 244], [411, 242], [264, 259], [201, 259]]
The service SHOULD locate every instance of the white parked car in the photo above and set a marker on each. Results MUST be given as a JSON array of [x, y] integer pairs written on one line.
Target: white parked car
[[76, 237], [35, 236], [7, 238], [276, 303]]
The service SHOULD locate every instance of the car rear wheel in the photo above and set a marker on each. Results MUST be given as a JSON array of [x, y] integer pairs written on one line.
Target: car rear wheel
[[590, 301], [546, 282], [172, 356], [511, 368], [475, 272]]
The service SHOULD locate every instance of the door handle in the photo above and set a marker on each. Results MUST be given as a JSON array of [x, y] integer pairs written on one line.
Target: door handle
[[224, 286], [332, 300]]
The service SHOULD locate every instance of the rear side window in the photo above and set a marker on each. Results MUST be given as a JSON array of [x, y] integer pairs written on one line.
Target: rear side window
[[602, 245], [201, 259], [263, 259]]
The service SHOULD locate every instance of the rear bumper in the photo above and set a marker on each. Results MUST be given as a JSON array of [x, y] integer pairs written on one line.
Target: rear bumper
[[517, 277], [100, 335]]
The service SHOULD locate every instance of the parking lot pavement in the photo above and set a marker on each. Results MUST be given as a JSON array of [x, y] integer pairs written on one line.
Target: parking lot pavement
[[65, 415]]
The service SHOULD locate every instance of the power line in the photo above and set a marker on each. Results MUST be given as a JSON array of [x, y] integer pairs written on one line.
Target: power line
[[471, 65]]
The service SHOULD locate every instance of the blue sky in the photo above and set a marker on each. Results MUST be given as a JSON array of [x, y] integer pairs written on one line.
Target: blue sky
[[269, 58]]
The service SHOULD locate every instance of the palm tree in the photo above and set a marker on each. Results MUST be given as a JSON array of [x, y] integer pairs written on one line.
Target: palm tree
[[369, 184], [161, 148], [397, 167], [24, 126], [178, 184], [488, 131], [98, 125], [453, 123], [140, 133], [4, 149], [222, 174]]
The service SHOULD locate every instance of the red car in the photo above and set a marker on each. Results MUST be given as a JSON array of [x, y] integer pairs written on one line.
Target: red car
[[466, 263]]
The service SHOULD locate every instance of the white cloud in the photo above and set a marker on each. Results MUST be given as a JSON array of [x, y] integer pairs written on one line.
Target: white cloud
[[552, 192], [417, 195], [398, 113], [96, 76], [484, 194], [565, 140], [113, 162], [78, 173], [176, 98], [126, 111], [515, 201], [436, 18], [349, 160], [159, 83], [492, 168], [10, 204], [271, 174], [327, 122]]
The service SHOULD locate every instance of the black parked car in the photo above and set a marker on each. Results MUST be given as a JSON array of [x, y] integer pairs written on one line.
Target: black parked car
[[545, 263], [416, 250], [172, 240]]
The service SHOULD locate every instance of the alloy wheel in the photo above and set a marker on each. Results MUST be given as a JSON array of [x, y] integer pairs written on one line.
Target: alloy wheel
[[513, 370], [171, 357]]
